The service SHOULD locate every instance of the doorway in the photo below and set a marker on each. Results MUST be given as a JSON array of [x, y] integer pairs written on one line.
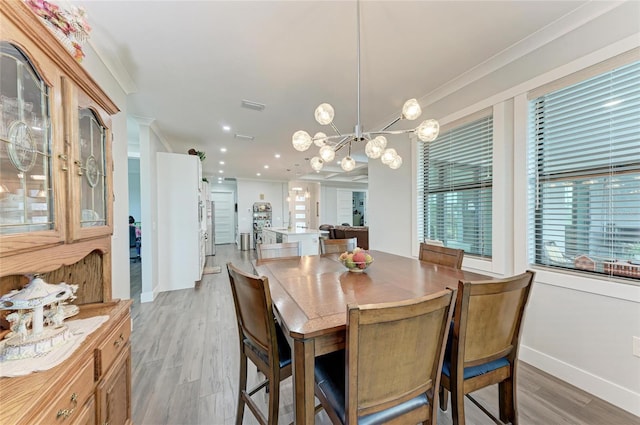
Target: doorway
[[224, 214]]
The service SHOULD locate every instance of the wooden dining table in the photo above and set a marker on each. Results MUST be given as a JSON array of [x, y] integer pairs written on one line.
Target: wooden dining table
[[311, 293]]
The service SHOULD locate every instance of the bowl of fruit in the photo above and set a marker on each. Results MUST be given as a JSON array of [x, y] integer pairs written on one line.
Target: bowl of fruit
[[357, 260]]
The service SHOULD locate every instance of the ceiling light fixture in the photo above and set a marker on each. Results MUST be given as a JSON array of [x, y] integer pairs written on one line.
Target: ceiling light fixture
[[243, 137], [250, 104], [376, 142]]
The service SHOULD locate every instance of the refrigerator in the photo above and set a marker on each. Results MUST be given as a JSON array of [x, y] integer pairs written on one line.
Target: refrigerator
[[210, 248]]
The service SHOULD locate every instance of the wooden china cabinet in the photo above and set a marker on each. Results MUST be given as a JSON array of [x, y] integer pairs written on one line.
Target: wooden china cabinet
[[56, 221]]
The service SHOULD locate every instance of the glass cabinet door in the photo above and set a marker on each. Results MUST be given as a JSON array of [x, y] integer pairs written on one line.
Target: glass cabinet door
[[90, 177], [91, 166], [26, 195]]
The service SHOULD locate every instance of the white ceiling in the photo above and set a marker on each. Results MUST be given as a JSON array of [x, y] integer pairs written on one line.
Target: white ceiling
[[188, 65]]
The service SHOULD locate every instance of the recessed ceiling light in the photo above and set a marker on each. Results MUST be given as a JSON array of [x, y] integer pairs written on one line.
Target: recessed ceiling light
[[258, 174], [221, 162], [221, 171], [226, 128], [223, 150], [266, 166], [277, 155]]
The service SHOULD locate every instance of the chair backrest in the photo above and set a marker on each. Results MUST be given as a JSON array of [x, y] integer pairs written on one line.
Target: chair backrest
[[254, 310], [132, 236], [488, 318], [395, 352], [441, 255], [278, 250], [332, 246]]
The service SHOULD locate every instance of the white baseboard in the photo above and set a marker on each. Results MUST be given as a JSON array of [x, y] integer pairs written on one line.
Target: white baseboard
[[147, 297], [586, 381]]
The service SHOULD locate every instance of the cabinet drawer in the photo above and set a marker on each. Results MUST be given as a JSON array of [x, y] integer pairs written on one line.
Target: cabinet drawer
[[69, 403], [112, 346], [87, 416]]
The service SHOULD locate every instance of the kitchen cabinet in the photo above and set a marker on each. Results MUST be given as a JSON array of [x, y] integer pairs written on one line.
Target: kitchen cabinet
[[308, 238], [56, 219], [55, 156]]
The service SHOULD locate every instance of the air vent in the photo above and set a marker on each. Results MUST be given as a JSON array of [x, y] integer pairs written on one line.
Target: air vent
[[248, 104], [243, 137]]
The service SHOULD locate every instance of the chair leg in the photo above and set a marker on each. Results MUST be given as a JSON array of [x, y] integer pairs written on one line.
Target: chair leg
[[444, 398], [242, 387], [457, 406], [507, 401], [274, 399]]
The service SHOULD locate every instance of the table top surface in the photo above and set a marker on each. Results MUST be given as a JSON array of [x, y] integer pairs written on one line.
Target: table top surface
[[311, 293]]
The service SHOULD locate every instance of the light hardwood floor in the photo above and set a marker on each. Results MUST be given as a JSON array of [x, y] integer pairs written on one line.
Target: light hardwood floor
[[185, 365]]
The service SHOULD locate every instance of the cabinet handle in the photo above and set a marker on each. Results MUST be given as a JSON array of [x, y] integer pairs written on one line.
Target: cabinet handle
[[79, 164], [64, 158], [119, 341], [65, 413]]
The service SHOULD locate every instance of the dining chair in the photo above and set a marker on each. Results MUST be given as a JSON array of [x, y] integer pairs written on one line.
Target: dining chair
[[483, 345], [278, 250], [441, 255], [333, 246], [390, 370], [261, 341]]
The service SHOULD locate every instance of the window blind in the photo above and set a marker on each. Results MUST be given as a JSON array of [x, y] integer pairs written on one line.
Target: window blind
[[455, 178], [584, 175]]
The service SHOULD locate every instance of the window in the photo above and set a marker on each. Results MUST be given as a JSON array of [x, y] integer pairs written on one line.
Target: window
[[455, 177], [584, 175]]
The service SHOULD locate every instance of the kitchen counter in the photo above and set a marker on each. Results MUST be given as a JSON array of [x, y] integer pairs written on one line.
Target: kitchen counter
[[308, 238]]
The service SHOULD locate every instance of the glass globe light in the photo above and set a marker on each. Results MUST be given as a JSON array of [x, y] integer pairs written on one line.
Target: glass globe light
[[327, 153], [301, 140], [381, 141], [316, 163], [428, 130], [388, 156], [324, 114], [373, 149], [411, 109], [348, 163], [396, 163], [320, 139]]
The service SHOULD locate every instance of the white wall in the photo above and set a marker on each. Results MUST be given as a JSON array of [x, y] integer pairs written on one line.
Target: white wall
[[249, 191], [390, 198], [577, 328], [150, 145], [329, 197], [120, 240]]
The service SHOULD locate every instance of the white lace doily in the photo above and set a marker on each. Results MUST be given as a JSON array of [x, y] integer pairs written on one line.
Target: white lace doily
[[80, 329]]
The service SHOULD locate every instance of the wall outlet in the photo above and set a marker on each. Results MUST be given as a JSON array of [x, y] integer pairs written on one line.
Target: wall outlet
[[636, 346]]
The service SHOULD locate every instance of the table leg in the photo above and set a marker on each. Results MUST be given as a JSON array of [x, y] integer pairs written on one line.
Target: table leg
[[303, 380]]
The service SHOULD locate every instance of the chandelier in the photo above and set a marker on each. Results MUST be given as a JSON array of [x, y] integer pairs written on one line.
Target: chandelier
[[376, 142]]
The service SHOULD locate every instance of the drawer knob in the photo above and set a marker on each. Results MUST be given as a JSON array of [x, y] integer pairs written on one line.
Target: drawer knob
[[65, 413], [118, 342]]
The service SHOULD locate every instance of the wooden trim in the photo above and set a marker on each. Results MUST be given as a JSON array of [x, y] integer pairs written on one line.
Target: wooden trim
[[22, 16], [61, 255]]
